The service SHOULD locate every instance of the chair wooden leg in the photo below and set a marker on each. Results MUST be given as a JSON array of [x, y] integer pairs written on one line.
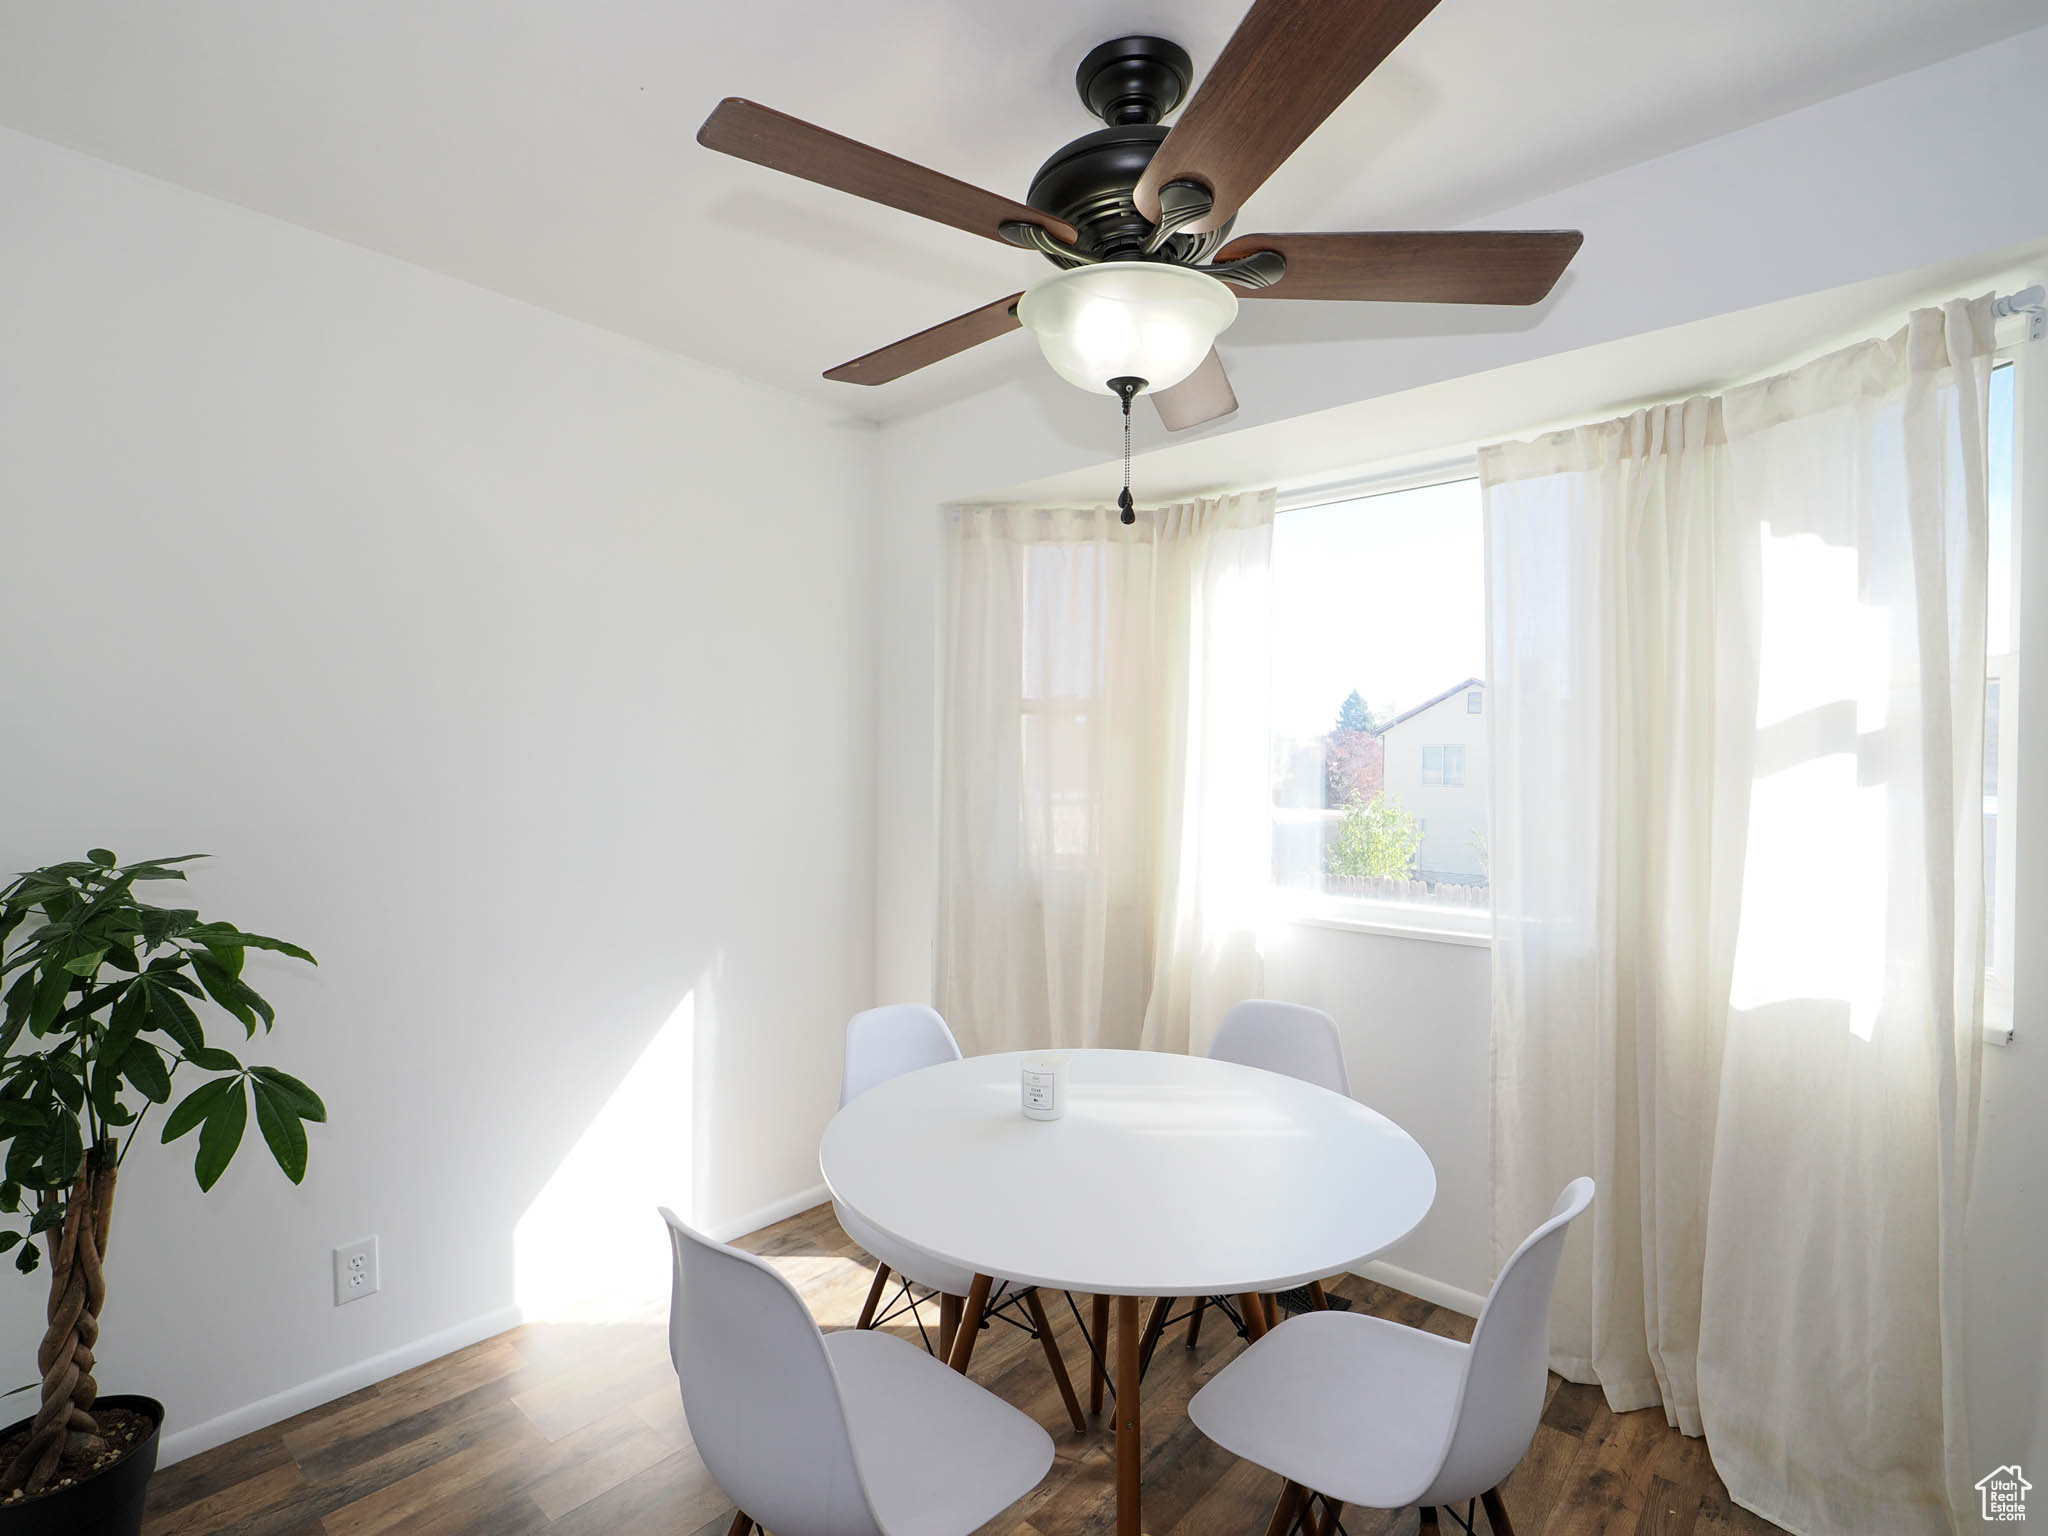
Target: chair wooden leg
[[1319, 1296], [1496, 1513], [1195, 1320], [1098, 1373], [949, 1324], [742, 1522], [970, 1325], [1331, 1511], [1253, 1306], [1053, 1358], [1429, 1521], [1284, 1512], [1273, 1313], [1155, 1325], [867, 1311]]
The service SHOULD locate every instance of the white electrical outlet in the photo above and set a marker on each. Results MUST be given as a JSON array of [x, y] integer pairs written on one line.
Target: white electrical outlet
[[355, 1271]]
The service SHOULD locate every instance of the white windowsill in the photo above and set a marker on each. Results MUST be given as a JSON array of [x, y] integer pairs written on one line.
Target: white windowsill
[[1471, 929]]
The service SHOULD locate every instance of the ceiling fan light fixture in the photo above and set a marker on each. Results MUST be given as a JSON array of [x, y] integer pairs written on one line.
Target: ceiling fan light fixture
[[1120, 320]]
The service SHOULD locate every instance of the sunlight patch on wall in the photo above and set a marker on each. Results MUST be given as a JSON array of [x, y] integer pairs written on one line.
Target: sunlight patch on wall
[[591, 1247]]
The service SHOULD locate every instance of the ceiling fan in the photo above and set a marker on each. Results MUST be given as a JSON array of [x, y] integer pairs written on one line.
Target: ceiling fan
[[1137, 216]]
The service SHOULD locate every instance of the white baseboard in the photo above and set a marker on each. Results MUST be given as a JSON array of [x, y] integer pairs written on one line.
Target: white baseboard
[[237, 1422], [768, 1215], [1452, 1298]]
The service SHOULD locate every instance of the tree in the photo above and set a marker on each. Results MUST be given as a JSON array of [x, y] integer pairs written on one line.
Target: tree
[[1352, 715], [99, 1018], [1377, 839]]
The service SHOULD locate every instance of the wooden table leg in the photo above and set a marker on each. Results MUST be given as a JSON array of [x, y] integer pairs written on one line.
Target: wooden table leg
[[1429, 1525], [1043, 1324], [867, 1311], [949, 1323], [1195, 1321], [970, 1324], [1319, 1296], [1284, 1512], [1097, 1370], [742, 1523], [1130, 1449], [1155, 1324], [1253, 1306], [1496, 1513]]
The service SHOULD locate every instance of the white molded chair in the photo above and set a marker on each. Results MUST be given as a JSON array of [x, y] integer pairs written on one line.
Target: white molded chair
[[847, 1434], [1359, 1410], [1283, 1037], [883, 1043], [1292, 1039]]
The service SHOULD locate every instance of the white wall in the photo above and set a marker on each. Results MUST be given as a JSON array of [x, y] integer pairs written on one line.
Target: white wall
[[1912, 173], [521, 671]]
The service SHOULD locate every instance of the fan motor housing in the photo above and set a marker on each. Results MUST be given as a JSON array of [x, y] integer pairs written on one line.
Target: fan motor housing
[[1130, 83]]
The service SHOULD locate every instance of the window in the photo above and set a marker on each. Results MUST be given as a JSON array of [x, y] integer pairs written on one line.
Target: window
[[2001, 634], [1379, 730]]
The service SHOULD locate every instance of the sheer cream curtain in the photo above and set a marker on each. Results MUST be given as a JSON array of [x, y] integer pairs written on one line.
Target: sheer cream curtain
[[1103, 778], [1738, 678]]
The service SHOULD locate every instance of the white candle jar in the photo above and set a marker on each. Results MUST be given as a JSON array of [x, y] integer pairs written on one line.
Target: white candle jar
[[1045, 1086]]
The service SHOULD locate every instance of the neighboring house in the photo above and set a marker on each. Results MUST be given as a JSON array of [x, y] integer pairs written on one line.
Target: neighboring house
[[1435, 765]]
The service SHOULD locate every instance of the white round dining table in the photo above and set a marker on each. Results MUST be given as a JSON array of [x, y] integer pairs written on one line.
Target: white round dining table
[[1167, 1175]]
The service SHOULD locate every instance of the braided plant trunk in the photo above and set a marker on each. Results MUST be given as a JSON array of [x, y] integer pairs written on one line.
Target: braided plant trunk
[[78, 1289]]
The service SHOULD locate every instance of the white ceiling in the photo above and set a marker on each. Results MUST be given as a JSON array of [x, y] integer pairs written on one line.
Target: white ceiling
[[546, 150]]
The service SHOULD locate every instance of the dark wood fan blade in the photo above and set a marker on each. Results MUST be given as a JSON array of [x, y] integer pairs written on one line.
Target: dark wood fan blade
[[1289, 65], [784, 143], [1505, 266], [1202, 396], [930, 346]]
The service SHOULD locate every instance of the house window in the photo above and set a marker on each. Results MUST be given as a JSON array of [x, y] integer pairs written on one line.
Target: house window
[[1379, 737], [2001, 636]]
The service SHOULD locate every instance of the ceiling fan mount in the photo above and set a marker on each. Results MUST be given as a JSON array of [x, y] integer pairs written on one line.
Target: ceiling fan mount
[[1130, 83]]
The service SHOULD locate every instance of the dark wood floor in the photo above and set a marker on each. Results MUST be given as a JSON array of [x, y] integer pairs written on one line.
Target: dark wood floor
[[578, 1431]]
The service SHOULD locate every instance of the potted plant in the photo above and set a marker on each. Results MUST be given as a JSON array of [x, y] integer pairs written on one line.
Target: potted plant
[[101, 1024]]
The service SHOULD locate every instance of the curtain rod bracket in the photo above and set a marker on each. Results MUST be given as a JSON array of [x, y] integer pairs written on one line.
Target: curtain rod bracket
[[2031, 302]]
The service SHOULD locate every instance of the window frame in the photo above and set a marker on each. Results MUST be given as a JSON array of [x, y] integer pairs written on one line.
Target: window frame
[[2001, 936], [1468, 926]]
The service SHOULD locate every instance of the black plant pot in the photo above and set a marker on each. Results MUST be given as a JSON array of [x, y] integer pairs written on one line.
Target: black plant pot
[[108, 1503]]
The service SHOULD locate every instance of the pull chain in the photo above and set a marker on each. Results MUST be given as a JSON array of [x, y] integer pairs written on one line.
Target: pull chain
[[1127, 390]]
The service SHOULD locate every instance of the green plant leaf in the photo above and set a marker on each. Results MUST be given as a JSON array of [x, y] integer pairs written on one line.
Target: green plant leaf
[[213, 1059], [225, 935], [51, 1215], [174, 1016], [14, 1112], [8, 1239], [27, 1259], [221, 1135], [51, 985], [101, 857], [195, 1107], [143, 1067], [85, 964], [230, 992], [302, 1099], [281, 1129]]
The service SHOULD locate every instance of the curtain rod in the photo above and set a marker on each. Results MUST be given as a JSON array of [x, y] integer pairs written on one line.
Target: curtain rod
[[2031, 302]]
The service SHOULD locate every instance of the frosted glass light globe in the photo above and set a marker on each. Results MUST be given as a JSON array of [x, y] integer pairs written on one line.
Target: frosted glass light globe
[[1127, 319]]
